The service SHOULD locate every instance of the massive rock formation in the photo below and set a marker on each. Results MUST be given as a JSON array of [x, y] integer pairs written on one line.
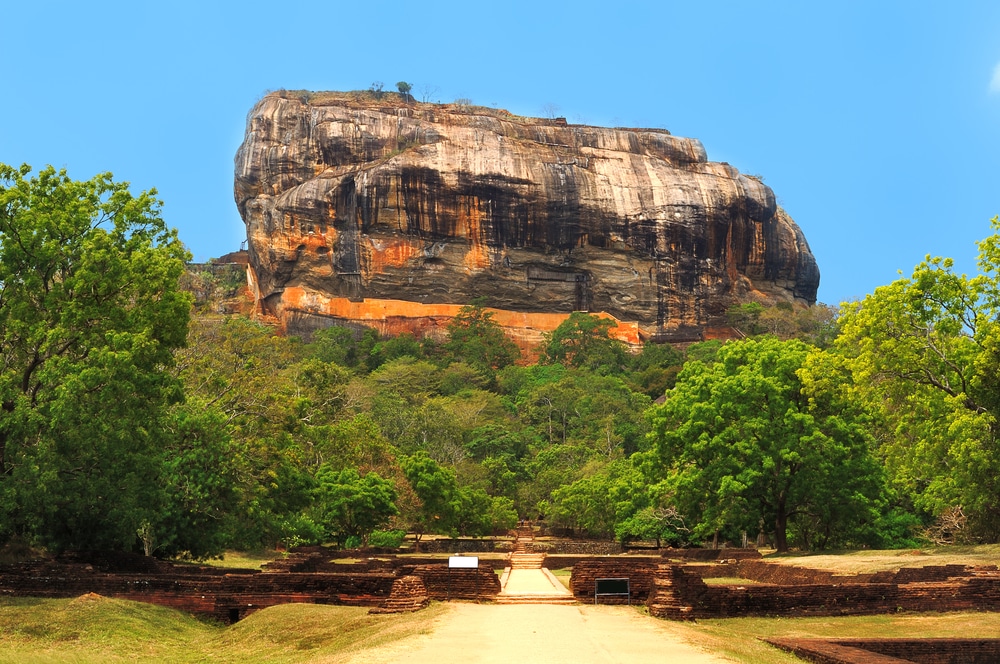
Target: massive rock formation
[[394, 214]]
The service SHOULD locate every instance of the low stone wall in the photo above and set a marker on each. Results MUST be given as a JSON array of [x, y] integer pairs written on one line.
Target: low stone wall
[[637, 570], [786, 575], [307, 575], [680, 593], [584, 547], [223, 594], [464, 546], [889, 651]]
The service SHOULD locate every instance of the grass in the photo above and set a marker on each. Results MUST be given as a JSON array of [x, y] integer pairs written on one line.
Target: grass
[[245, 559], [563, 576], [93, 629], [728, 581], [857, 562], [98, 629], [739, 638]]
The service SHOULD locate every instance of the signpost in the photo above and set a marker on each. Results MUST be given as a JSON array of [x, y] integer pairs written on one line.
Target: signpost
[[612, 587], [462, 562]]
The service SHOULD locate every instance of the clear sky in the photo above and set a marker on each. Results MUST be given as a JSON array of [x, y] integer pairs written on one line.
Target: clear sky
[[877, 123]]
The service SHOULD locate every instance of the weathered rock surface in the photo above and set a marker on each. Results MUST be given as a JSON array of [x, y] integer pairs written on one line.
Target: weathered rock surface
[[395, 214]]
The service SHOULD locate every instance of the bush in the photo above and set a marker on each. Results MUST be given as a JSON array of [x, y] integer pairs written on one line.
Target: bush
[[386, 539]]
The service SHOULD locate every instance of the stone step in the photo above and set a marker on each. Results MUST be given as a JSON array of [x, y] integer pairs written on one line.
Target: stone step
[[527, 560], [535, 599]]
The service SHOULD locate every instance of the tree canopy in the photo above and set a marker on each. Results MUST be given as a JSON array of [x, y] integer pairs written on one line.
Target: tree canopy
[[924, 354], [90, 315], [741, 442]]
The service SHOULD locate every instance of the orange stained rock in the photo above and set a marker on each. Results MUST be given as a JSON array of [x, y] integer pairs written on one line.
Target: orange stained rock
[[389, 253], [470, 218], [397, 316]]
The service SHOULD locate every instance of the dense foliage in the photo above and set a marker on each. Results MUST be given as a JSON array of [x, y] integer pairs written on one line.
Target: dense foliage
[[90, 314], [126, 423]]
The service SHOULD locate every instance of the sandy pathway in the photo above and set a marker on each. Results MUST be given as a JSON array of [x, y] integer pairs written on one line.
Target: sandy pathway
[[540, 634], [532, 582]]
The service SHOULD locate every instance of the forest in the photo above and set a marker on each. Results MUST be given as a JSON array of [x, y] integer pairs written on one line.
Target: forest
[[132, 420]]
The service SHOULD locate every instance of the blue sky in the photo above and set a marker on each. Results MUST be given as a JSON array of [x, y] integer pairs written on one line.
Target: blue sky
[[876, 123]]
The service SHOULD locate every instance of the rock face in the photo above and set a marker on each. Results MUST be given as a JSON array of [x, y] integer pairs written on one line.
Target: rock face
[[395, 214]]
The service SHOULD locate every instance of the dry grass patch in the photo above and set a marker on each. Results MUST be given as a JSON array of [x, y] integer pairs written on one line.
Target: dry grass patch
[[93, 629], [861, 562], [313, 633], [739, 638], [729, 581]]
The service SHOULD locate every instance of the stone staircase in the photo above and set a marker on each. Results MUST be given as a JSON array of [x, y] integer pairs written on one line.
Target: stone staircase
[[534, 598], [527, 560], [523, 556], [526, 581]]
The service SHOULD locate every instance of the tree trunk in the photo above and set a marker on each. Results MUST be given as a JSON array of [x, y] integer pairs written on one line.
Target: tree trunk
[[780, 524]]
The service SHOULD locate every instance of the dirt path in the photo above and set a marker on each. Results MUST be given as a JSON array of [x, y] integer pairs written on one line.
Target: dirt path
[[540, 634], [532, 582]]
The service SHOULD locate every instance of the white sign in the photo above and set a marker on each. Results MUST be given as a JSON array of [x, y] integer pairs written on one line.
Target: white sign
[[463, 562]]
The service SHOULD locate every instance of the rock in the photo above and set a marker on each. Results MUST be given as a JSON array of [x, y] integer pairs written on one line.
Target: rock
[[395, 214]]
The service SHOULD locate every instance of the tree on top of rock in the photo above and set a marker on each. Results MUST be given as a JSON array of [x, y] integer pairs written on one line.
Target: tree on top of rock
[[404, 90]]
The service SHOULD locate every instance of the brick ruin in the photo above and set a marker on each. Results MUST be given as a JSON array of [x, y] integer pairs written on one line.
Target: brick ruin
[[639, 571], [680, 592], [229, 595], [672, 590]]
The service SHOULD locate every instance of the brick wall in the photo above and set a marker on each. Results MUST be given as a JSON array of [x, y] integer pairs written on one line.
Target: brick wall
[[637, 570], [443, 583], [679, 593], [875, 651], [224, 594]]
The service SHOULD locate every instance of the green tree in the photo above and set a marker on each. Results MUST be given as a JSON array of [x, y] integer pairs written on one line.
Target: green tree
[[601, 500], [271, 405], [653, 523], [474, 337], [745, 318], [340, 345], [201, 496], [923, 355], [583, 340], [477, 513], [436, 489], [655, 369], [741, 441], [349, 505], [404, 90], [703, 351], [90, 314], [599, 412]]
